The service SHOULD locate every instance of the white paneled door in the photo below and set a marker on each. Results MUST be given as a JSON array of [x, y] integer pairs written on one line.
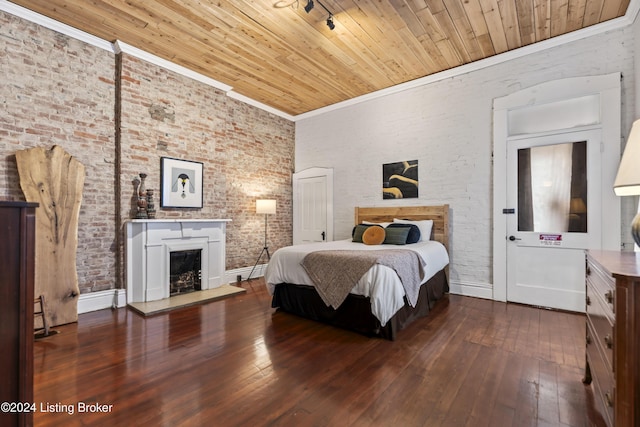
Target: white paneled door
[[313, 202], [313, 206]]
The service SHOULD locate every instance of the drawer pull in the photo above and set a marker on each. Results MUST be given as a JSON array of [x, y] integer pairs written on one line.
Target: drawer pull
[[608, 341], [588, 300], [588, 339], [609, 297], [609, 398]]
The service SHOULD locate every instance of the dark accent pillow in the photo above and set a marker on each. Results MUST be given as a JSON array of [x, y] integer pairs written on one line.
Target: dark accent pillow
[[414, 231], [357, 232], [396, 235]]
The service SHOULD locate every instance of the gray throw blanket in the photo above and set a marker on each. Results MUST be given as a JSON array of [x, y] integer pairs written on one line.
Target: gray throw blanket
[[334, 273]]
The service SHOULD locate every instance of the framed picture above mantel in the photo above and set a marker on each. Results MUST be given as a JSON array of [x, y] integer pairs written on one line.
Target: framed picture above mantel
[[180, 183]]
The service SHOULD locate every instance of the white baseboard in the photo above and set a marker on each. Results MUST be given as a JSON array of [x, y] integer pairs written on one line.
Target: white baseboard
[[231, 276], [116, 298], [93, 301], [469, 289]]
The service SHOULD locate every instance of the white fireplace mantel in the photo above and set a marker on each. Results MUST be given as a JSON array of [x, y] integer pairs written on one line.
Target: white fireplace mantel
[[149, 243]]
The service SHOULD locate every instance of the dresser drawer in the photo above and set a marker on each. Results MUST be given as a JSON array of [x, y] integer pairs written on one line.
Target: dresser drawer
[[602, 378], [603, 284], [598, 316], [613, 290]]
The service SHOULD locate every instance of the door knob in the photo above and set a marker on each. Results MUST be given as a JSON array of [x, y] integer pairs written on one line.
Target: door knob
[[513, 238]]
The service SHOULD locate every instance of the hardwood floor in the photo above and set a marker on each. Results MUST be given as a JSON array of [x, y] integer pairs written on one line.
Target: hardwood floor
[[235, 362]]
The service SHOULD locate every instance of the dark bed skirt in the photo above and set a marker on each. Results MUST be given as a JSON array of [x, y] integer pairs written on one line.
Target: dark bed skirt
[[355, 312]]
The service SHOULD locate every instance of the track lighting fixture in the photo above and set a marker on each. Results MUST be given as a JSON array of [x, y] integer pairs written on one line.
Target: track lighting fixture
[[330, 23], [309, 6]]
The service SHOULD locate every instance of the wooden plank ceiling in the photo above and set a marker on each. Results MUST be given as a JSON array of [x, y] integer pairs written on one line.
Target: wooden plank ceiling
[[274, 52]]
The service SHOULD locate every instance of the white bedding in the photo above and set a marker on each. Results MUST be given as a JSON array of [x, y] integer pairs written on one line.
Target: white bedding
[[381, 284]]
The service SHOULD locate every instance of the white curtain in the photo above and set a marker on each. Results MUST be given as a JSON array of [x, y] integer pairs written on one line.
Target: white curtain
[[551, 187]]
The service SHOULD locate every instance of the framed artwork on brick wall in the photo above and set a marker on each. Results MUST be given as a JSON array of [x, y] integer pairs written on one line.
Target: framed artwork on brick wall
[[400, 180], [180, 183]]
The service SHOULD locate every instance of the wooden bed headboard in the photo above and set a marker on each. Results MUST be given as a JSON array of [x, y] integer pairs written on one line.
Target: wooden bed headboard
[[439, 214]]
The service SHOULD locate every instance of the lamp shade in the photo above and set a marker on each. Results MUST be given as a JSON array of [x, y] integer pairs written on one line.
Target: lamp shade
[[628, 179], [577, 206], [267, 207]]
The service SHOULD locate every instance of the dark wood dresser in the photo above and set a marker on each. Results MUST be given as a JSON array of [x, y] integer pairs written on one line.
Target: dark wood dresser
[[613, 335], [17, 259]]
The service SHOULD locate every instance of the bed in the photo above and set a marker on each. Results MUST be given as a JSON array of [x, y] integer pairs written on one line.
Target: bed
[[379, 304]]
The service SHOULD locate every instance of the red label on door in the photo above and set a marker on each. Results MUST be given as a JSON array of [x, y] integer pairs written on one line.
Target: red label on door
[[551, 239]]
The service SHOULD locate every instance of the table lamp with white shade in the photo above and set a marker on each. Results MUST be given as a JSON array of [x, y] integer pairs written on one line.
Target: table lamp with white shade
[[628, 179]]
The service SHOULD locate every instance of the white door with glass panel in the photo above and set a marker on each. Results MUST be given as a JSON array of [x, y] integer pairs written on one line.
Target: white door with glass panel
[[553, 214]]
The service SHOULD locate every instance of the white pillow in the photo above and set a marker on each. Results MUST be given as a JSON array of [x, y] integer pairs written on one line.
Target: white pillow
[[381, 224], [425, 227]]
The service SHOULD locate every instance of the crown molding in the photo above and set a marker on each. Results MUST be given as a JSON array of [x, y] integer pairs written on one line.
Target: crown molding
[[119, 46], [54, 25], [122, 47], [253, 102], [614, 24]]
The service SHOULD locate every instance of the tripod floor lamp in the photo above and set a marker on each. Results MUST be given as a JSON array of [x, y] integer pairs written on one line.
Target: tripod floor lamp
[[266, 207]]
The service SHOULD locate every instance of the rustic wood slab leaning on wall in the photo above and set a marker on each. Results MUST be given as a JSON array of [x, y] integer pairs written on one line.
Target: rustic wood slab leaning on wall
[[54, 179]]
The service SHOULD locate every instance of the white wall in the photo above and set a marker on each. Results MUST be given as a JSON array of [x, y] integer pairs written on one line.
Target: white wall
[[446, 125]]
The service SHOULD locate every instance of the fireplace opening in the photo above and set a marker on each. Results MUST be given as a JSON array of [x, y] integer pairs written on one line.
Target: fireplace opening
[[185, 271]]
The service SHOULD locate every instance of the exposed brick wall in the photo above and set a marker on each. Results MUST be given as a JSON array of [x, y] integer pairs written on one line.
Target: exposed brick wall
[[59, 91], [247, 153]]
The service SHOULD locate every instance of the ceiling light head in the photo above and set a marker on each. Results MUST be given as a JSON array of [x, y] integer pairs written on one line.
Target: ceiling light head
[[308, 6], [330, 23]]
